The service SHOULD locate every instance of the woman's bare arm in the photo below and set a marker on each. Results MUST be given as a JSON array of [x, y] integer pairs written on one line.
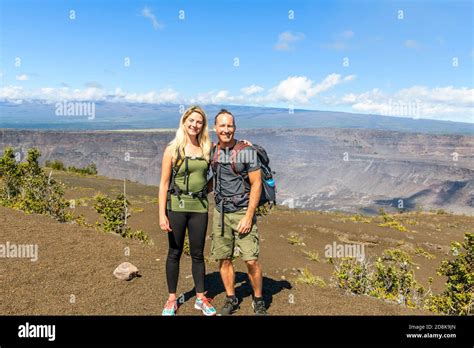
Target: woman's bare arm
[[166, 168]]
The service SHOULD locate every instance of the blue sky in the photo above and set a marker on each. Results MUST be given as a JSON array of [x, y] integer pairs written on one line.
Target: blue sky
[[418, 63]]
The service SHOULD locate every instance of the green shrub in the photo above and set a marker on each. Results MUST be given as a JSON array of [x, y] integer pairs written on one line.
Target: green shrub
[[389, 221], [394, 279], [26, 187], [352, 275], [458, 297], [10, 172], [360, 218], [57, 165], [140, 235], [90, 169], [294, 239], [81, 221], [115, 213], [262, 210], [312, 255], [424, 253], [307, 277], [391, 277]]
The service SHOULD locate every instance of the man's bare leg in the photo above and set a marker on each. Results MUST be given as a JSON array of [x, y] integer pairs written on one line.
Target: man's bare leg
[[255, 274], [226, 269]]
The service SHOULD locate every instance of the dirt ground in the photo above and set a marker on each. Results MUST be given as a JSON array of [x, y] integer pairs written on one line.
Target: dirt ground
[[73, 273]]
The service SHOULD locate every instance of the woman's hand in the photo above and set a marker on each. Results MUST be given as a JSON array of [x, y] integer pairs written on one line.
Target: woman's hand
[[165, 224], [246, 142]]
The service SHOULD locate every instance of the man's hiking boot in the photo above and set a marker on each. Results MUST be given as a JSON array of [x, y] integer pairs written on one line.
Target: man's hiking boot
[[230, 306], [258, 306]]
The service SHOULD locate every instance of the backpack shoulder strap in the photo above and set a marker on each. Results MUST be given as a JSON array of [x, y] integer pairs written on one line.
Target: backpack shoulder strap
[[214, 158], [178, 161], [235, 151], [175, 169]]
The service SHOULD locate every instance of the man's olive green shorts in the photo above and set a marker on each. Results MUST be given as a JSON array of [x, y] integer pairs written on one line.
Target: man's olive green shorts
[[223, 245]]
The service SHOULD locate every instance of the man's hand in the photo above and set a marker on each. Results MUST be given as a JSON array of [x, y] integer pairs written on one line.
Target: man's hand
[[245, 225]]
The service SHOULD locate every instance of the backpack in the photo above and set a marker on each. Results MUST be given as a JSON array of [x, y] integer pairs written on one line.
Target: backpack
[[268, 194], [173, 187]]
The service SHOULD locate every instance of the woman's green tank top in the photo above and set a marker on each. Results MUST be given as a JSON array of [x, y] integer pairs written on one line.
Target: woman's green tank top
[[195, 181]]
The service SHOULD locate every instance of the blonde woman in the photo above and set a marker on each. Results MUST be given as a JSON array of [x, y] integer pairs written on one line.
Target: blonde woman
[[183, 203]]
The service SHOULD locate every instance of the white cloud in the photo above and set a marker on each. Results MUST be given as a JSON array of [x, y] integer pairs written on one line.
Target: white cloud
[[349, 78], [51, 95], [341, 41], [11, 93], [331, 81], [253, 89], [22, 77], [167, 95], [217, 97], [442, 103], [92, 84], [411, 44], [286, 41], [447, 95], [294, 89], [300, 89], [148, 13], [164, 96], [347, 34]]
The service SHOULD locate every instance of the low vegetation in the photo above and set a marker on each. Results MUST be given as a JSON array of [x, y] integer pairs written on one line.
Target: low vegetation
[[391, 222], [26, 186], [115, 214], [90, 169], [391, 277], [458, 296], [294, 239], [424, 253], [307, 277], [312, 255], [360, 218]]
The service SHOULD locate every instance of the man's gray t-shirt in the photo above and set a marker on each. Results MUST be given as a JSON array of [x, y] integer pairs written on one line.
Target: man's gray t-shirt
[[229, 184]]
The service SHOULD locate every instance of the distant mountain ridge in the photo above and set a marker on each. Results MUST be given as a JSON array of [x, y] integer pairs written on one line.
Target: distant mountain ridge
[[112, 116]]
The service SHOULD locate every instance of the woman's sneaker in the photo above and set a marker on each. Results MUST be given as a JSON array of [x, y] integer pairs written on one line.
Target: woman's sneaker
[[204, 305], [171, 307], [231, 305]]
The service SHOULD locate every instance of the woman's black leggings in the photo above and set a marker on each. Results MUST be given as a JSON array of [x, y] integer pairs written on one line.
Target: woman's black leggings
[[196, 223]]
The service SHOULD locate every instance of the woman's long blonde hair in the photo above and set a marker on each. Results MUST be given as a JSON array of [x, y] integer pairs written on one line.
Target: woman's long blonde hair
[[180, 140]]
